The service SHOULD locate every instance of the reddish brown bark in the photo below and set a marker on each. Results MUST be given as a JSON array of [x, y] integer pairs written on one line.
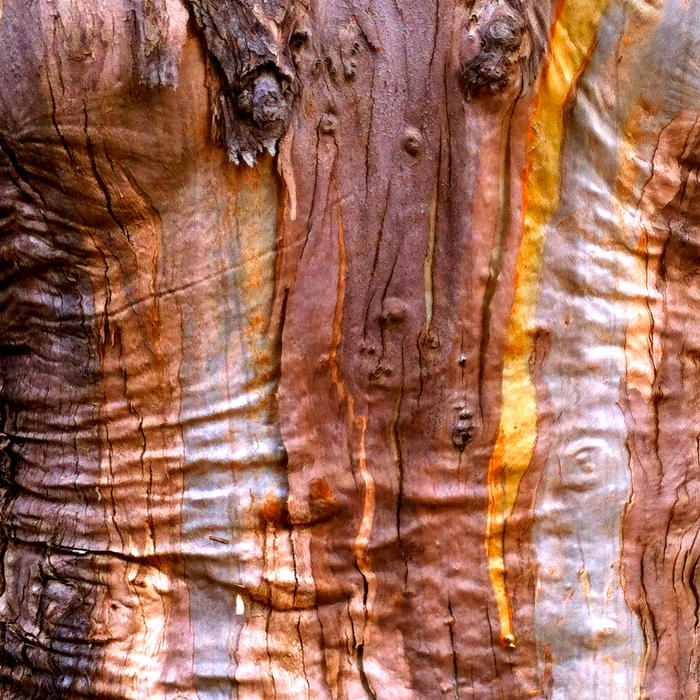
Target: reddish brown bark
[[258, 436]]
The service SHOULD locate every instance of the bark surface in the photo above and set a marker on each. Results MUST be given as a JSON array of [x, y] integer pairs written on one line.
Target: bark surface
[[349, 349]]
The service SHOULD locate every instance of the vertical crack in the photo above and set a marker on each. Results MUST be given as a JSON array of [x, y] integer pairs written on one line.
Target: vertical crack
[[450, 627]]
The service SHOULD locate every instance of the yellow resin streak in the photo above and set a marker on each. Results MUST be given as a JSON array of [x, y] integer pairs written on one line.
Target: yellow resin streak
[[573, 39]]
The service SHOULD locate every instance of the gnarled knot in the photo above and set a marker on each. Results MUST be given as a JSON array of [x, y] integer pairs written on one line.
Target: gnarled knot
[[489, 69], [263, 100]]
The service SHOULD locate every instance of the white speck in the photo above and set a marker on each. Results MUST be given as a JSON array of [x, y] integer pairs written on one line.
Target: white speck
[[240, 605]]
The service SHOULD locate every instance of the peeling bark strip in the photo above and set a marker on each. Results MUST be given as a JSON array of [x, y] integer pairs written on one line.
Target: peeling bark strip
[[569, 51], [361, 420]]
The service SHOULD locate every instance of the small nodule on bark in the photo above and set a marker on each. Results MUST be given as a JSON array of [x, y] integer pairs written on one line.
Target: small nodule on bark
[[433, 340], [380, 372], [412, 141], [393, 311], [328, 124], [462, 430]]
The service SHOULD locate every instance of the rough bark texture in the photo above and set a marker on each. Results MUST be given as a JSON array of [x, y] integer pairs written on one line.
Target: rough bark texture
[[406, 409]]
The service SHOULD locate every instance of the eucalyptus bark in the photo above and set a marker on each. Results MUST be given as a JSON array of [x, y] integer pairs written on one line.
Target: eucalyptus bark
[[349, 349]]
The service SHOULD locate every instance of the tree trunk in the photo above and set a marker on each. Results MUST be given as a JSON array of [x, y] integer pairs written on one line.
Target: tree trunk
[[349, 349]]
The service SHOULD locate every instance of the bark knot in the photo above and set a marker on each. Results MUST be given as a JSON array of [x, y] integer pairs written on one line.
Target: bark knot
[[488, 60], [250, 53], [263, 100]]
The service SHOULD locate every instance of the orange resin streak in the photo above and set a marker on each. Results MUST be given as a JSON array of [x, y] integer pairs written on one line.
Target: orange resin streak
[[573, 39]]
